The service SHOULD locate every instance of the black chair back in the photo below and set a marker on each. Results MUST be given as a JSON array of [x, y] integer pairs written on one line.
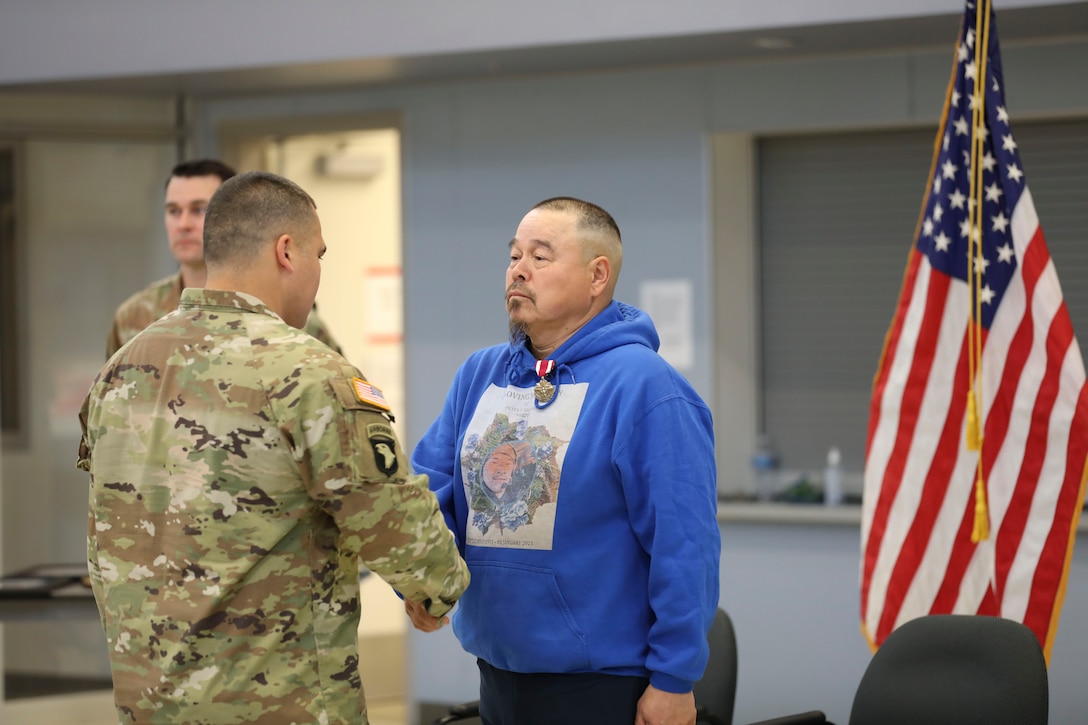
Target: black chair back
[[716, 692], [955, 669]]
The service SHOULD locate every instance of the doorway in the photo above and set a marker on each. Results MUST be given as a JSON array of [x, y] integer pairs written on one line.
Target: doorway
[[354, 176]]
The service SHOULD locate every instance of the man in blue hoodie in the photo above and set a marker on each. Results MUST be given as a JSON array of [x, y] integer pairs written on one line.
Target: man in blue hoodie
[[576, 469]]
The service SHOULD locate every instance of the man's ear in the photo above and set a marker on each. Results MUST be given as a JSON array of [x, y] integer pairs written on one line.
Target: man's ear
[[600, 269], [285, 248]]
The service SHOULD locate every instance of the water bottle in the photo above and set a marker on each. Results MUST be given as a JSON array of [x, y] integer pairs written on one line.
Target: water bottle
[[833, 478], [765, 468]]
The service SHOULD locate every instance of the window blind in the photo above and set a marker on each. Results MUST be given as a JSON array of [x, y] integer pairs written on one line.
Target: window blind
[[837, 217]]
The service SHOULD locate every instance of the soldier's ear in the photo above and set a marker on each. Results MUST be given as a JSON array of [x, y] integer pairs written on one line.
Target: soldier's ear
[[285, 248]]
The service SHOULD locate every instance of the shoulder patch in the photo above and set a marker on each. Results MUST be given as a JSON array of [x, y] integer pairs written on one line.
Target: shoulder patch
[[367, 393], [359, 397], [384, 444]]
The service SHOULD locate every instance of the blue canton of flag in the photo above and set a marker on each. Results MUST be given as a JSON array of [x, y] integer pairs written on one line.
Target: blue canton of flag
[[944, 234]]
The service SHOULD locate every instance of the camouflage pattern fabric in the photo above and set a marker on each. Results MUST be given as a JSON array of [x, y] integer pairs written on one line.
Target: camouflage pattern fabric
[[240, 472], [141, 309], [160, 298]]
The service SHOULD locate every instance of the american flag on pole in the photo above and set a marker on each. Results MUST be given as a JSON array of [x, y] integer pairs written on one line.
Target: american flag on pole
[[978, 429]]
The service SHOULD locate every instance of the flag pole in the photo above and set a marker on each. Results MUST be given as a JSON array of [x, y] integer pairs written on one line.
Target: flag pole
[[981, 529]]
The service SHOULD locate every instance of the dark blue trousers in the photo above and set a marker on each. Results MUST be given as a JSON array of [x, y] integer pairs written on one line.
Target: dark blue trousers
[[512, 698]]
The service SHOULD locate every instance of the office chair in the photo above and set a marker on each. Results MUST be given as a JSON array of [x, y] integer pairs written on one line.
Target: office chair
[[811, 717], [460, 713], [950, 669], [955, 668], [715, 693]]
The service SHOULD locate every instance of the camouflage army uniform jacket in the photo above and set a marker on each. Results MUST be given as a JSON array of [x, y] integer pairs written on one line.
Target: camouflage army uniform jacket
[[159, 298], [240, 471]]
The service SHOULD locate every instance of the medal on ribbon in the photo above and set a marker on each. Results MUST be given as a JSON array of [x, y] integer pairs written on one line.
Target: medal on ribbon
[[544, 390]]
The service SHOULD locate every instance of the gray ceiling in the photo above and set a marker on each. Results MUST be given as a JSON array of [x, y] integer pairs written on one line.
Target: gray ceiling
[[1017, 25]]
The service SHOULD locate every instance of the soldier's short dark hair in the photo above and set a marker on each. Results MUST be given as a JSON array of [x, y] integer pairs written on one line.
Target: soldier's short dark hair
[[201, 167], [250, 210]]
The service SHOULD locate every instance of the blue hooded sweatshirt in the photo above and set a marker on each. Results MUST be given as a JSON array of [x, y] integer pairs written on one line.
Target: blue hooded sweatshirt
[[587, 515]]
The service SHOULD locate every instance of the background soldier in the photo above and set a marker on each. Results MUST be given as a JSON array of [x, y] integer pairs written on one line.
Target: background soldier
[[188, 189]]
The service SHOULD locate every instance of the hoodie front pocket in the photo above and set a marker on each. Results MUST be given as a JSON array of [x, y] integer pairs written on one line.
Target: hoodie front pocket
[[515, 618]]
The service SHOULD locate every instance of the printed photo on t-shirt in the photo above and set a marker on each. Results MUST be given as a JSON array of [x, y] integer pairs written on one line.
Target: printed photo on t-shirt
[[512, 460]]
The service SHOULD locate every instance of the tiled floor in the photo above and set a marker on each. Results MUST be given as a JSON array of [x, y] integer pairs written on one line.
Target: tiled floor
[[387, 712]]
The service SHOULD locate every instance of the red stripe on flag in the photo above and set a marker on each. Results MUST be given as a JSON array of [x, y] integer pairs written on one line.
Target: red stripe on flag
[[990, 606], [1016, 518], [1032, 266], [891, 344], [958, 561], [887, 359], [1051, 569], [914, 389], [934, 490], [963, 548]]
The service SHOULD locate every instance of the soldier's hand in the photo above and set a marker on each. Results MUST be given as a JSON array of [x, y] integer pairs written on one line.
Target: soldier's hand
[[423, 620]]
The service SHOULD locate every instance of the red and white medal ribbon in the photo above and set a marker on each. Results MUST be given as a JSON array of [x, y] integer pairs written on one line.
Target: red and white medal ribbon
[[543, 391]]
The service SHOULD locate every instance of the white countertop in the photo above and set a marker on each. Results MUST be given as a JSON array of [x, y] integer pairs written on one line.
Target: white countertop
[[807, 514]]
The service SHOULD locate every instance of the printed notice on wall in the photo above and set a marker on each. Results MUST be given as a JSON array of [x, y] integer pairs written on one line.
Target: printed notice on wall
[[384, 298], [668, 302]]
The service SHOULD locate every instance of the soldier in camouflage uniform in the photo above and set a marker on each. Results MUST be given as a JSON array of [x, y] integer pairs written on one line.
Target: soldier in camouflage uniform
[[163, 296], [188, 189], [240, 472]]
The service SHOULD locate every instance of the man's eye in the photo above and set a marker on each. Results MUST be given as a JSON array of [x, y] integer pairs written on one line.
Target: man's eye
[[199, 210]]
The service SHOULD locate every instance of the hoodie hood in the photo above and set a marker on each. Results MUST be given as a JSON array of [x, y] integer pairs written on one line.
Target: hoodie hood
[[617, 325]]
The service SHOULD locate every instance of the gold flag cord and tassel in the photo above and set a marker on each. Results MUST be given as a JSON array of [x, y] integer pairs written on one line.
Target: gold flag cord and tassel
[[981, 530]]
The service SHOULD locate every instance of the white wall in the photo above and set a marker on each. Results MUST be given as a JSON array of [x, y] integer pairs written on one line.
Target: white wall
[[134, 37]]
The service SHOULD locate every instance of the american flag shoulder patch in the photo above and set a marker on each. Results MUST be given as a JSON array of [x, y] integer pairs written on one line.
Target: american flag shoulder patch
[[367, 393]]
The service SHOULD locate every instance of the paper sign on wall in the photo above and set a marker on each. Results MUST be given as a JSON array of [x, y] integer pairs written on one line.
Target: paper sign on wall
[[669, 304], [384, 299]]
